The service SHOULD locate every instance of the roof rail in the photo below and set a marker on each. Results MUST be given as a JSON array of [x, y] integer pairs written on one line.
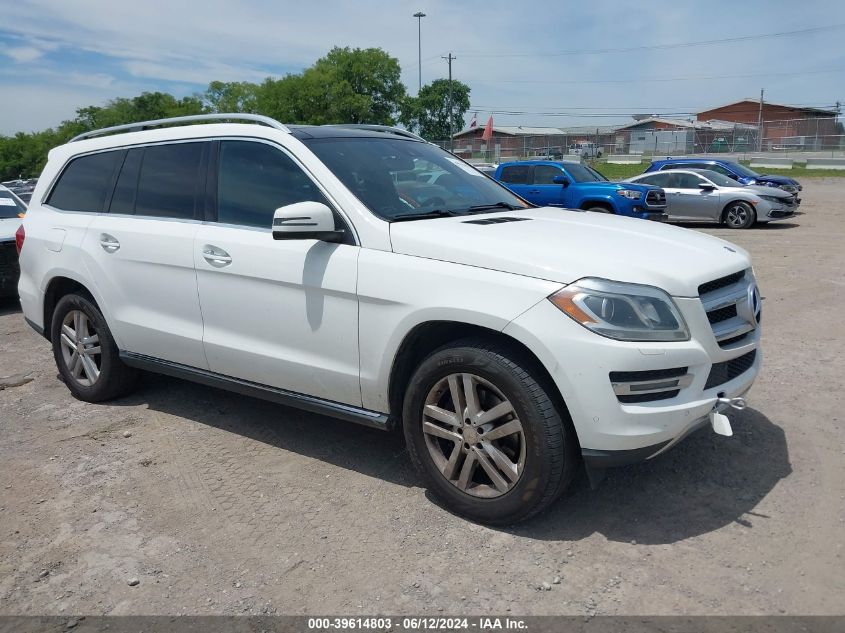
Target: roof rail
[[194, 118], [387, 129]]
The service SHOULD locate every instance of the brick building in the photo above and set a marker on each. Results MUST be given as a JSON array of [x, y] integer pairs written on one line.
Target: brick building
[[784, 126]]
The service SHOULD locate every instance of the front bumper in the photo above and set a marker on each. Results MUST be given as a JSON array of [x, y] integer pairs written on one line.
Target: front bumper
[[580, 363]]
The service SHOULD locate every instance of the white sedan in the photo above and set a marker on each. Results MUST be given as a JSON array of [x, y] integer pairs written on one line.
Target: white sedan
[[701, 195]]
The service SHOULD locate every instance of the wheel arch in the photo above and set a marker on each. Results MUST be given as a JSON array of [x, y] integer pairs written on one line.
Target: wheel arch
[[605, 203], [58, 287], [431, 335]]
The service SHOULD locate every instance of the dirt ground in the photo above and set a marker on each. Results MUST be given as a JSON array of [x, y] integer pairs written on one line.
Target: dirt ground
[[220, 504]]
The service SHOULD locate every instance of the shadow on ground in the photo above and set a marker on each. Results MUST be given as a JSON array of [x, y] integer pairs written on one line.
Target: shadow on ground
[[760, 226], [703, 484], [9, 306]]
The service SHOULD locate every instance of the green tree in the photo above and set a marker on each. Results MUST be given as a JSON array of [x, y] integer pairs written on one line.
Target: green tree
[[231, 96], [346, 86], [428, 113]]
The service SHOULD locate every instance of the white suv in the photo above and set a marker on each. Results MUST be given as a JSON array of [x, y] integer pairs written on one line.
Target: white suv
[[309, 266]]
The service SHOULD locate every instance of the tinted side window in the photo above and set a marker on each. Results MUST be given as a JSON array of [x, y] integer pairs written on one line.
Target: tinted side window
[[515, 174], [717, 168], [85, 182], [688, 181], [659, 180], [123, 199], [255, 179], [171, 178], [543, 174]]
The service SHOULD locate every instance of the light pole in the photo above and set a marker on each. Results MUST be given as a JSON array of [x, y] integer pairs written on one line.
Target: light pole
[[419, 15]]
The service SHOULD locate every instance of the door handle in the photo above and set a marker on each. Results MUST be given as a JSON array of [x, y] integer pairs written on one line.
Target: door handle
[[109, 243], [217, 257]]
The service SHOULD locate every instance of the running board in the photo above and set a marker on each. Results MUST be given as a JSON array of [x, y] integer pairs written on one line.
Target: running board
[[338, 410]]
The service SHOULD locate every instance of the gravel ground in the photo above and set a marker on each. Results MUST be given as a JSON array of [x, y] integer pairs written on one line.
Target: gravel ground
[[182, 499]]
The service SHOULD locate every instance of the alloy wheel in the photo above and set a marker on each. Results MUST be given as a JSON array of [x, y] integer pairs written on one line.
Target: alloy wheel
[[80, 346], [737, 215], [474, 435]]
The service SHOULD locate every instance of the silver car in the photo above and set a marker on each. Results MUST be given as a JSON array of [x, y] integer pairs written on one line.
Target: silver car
[[701, 195]]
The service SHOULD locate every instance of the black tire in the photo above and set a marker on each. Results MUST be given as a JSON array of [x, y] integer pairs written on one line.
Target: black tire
[[551, 448], [115, 378], [739, 215]]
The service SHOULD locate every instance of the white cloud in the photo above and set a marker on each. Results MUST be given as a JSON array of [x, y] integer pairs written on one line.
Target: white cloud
[[23, 54]]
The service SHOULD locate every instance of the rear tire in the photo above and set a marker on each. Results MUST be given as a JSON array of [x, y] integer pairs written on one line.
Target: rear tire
[[85, 352], [503, 454], [739, 215]]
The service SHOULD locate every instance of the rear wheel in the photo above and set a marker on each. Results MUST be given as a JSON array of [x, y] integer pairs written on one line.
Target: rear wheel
[[85, 352], [739, 215], [486, 435]]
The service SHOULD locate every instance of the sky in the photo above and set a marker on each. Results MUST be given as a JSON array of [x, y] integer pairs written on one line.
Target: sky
[[527, 63]]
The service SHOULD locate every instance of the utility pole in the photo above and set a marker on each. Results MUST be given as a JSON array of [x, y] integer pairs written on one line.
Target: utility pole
[[419, 15], [449, 59], [760, 124]]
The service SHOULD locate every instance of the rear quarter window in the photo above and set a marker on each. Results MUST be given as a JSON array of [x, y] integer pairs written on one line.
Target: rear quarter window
[[85, 182]]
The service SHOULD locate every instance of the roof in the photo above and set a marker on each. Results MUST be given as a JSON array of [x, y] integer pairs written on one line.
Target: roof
[[712, 124], [828, 111]]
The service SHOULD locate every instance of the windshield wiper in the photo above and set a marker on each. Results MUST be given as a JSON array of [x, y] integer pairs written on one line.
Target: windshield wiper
[[425, 215], [478, 208]]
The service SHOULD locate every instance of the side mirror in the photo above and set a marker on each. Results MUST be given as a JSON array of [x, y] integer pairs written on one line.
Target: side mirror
[[305, 221], [706, 186], [561, 180]]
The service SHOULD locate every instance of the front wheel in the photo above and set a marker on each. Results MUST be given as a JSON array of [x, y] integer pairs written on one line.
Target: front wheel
[[599, 209], [85, 352], [740, 215], [484, 431]]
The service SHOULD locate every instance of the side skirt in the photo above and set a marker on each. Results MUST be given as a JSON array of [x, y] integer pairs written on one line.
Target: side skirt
[[373, 419]]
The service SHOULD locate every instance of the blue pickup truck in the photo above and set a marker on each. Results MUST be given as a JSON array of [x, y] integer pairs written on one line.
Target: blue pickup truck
[[573, 185]]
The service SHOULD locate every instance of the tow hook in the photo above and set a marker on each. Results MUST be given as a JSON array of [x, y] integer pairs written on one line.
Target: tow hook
[[735, 403]]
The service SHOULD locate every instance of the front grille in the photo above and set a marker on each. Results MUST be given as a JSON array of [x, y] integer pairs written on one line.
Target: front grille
[[781, 214], [724, 372], [722, 282], [656, 198], [733, 307]]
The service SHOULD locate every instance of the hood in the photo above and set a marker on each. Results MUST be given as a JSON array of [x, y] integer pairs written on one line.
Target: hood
[[8, 228], [763, 190], [613, 186], [563, 245], [780, 180]]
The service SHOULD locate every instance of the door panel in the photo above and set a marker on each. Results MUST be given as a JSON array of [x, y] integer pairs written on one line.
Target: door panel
[[691, 202], [545, 192], [144, 270], [280, 313]]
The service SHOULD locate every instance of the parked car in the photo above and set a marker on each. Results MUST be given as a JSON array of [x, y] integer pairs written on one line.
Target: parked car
[[732, 170], [12, 210], [573, 185], [696, 195], [585, 149], [509, 343]]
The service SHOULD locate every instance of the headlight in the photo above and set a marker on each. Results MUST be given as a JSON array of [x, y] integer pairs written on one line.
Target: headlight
[[630, 194], [625, 312], [774, 199]]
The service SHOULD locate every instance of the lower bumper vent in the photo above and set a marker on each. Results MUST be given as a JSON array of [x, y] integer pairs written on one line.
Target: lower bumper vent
[[649, 386], [724, 372]]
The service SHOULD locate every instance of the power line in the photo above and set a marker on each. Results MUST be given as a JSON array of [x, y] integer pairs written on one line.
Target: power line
[[546, 80], [649, 47]]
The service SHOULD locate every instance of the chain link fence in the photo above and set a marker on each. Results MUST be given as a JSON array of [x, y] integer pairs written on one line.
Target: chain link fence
[[820, 136]]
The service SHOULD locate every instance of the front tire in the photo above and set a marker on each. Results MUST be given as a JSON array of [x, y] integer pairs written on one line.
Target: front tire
[[600, 209], [85, 352], [739, 215], [484, 431]]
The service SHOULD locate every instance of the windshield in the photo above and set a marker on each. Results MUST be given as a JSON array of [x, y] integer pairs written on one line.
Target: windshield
[[10, 207], [582, 173], [719, 179], [396, 177], [742, 170]]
